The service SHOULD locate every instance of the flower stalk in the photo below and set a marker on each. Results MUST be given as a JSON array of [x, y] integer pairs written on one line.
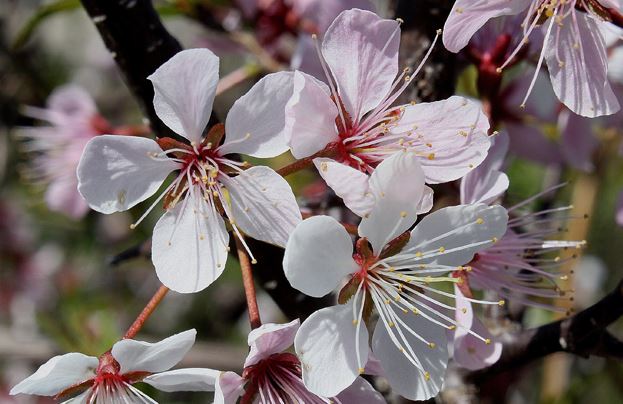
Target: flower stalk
[[249, 286], [146, 313]]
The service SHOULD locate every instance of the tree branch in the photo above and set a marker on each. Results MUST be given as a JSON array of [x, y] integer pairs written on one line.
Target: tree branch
[[583, 334], [139, 43]]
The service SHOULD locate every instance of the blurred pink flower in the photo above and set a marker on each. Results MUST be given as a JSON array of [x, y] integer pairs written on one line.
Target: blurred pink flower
[[354, 117], [57, 148], [573, 46], [118, 172]]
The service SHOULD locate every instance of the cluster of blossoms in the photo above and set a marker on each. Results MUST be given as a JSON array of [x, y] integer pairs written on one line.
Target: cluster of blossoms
[[408, 282]]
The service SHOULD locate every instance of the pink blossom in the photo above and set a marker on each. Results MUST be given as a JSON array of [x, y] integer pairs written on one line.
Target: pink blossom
[[516, 267], [270, 375], [353, 121], [74, 120], [110, 377], [573, 46], [117, 172], [392, 271]]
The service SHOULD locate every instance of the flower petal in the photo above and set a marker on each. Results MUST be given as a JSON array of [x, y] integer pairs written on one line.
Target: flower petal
[[579, 143], [325, 344], [255, 123], [140, 356], [189, 246], [468, 16], [62, 196], [310, 116], [397, 186], [269, 339], [470, 352], [191, 379], [451, 236], [263, 205], [405, 378], [71, 102], [184, 90], [228, 388], [318, 256], [348, 183], [58, 374], [117, 172], [449, 136], [361, 391], [361, 50], [578, 67], [486, 183]]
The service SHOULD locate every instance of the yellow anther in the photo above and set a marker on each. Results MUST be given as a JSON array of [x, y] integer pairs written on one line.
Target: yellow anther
[[494, 240], [361, 370], [403, 214], [418, 254], [442, 249], [132, 226], [431, 156], [487, 341], [427, 376], [464, 310], [501, 303], [480, 220], [431, 345], [253, 261], [355, 321]]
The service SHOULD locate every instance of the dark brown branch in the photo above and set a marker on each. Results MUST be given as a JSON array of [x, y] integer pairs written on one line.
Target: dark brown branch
[[583, 334], [139, 43]]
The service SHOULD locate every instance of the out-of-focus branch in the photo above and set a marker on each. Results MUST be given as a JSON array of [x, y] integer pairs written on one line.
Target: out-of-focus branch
[[139, 43], [422, 19], [583, 334]]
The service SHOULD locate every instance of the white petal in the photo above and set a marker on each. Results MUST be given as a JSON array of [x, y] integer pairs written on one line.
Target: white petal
[[184, 89], [451, 236], [348, 183], [319, 254], [397, 186], [140, 356], [581, 83], [361, 50], [263, 205], [449, 136], [310, 116], [269, 339], [192, 379], [189, 252], [325, 344], [255, 123], [404, 378], [117, 172], [58, 374], [228, 388], [360, 392]]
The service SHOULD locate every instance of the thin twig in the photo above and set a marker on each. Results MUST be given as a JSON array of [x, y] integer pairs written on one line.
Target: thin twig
[[147, 311], [249, 285]]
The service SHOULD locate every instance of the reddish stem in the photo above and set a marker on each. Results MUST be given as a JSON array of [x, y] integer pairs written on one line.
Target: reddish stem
[[249, 286], [298, 165], [149, 308]]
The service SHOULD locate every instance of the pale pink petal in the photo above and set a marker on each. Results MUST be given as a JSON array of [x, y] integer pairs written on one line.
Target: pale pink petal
[[486, 183], [117, 172], [62, 196], [471, 352], [255, 123], [451, 236], [361, 391], [578, 67], [189, 253], [140, 356], [468, 16], [323, 12], [405, 378], [449, 136], [270, 339], [348, 183], [184, 89], [58, 374], [263, 205], [361, 50], [71, 102], [579, 143], [619, 210], [191, 379], [426, 203], [397, 201], [530, 143], [310, 116], [325, 344], [318, 256], [229, 387]]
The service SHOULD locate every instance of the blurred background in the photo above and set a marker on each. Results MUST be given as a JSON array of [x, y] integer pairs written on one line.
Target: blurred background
[[73, 280]]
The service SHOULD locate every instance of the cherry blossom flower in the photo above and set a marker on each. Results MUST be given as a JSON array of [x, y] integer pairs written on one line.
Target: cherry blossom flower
[[518, 266], [391, 270], [117, 172], [353, 120], [573, 46], [270, 375], [110, 377], [74, 120]]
